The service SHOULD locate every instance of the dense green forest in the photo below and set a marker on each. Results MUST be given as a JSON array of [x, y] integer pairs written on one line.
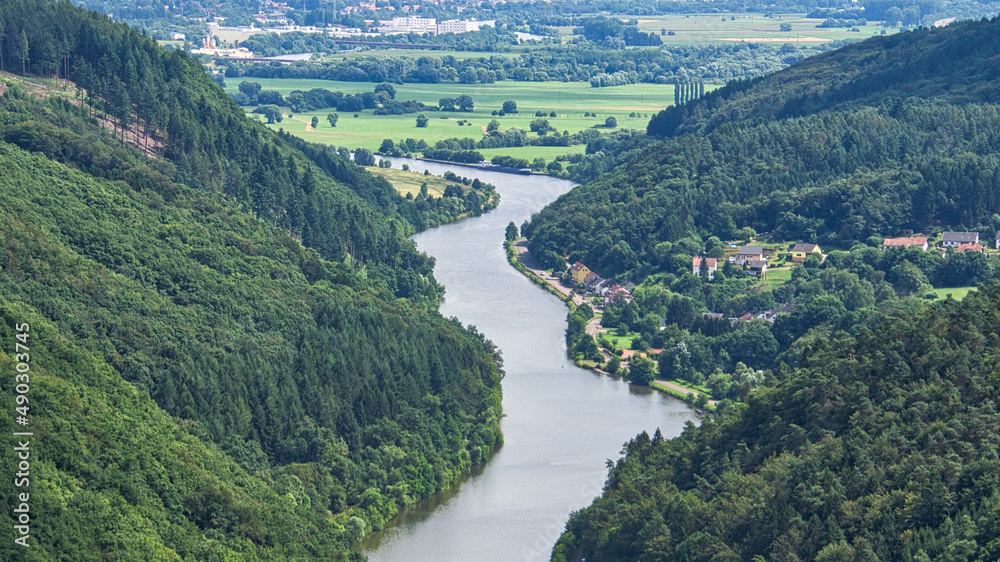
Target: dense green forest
[[953, 64], [833, 177], [878, 443], [860, 424], [236, 351]]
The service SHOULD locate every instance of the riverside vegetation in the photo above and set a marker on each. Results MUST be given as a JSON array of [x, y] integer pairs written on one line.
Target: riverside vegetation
[[865, 434], [237, 352]]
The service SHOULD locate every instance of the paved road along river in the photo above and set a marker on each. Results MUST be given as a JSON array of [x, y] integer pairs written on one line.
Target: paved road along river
[[562, 423]]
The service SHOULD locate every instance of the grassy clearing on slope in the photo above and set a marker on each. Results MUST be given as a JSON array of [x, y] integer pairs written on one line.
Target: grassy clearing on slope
[[410, 182], [957, 293]]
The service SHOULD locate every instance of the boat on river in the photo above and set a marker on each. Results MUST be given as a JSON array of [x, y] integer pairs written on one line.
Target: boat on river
[[491, 167]]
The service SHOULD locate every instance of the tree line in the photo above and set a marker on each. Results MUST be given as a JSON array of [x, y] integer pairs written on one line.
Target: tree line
[[578, 62]]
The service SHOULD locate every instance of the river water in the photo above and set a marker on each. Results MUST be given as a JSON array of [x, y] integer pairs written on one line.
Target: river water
[[562, 423]]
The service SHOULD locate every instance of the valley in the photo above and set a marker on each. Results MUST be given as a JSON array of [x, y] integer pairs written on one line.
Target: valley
[[254, 335]]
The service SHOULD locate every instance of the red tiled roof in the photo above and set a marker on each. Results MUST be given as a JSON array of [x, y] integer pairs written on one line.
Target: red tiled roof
[[969, 247], [915, 241]]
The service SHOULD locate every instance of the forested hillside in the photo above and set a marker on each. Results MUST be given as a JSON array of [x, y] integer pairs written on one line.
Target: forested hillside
[[957, 64], [833, 178], [836, 176], [859, 425], [236, 353], [880, 445], [165, 103]]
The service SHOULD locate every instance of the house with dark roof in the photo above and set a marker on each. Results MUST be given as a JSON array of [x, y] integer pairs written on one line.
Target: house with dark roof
[[757, 268], [956, 239], [712, 263], [801, 251], [748, 253]]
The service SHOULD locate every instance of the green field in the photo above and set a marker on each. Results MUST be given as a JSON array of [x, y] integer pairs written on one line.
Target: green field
[[700, 29], [752, 28], [569, 100]]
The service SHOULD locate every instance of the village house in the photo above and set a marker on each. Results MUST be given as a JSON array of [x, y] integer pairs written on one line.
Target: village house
[[998, 240], [956, 239], [801, 251], [591, 282], [748, 253], [970, 248], [579, 272], [917, 241], [712, 263], [615, 291], [757, 268]]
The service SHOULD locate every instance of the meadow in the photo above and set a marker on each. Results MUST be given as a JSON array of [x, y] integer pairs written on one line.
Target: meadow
[[700, 29], [569, 100], [411, 181]]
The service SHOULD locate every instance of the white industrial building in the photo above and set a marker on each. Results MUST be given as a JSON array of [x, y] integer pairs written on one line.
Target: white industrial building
[[459, 26]]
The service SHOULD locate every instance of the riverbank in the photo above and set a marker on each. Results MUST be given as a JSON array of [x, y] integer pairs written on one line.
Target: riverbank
[[520, 258], [560, 423], [682, 392]]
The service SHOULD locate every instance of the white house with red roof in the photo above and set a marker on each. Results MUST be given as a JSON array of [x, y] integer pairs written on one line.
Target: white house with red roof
[[712, 263]]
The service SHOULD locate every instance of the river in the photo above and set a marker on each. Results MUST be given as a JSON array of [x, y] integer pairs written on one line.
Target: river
[[561, 422]]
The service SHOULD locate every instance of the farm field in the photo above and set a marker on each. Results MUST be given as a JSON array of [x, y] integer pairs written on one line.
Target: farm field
[[753, 28], [368, 131], [569, 100], [562, 97], [699, 29]]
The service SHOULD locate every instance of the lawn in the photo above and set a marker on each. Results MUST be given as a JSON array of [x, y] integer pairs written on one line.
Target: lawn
[[622, 342], [775, 277], [689, 385]]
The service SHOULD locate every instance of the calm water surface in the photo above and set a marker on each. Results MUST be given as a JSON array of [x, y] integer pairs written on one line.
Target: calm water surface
[[562, 423]]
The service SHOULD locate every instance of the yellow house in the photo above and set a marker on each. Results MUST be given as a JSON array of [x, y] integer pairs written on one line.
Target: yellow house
[[579, 272], [800, 251]]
